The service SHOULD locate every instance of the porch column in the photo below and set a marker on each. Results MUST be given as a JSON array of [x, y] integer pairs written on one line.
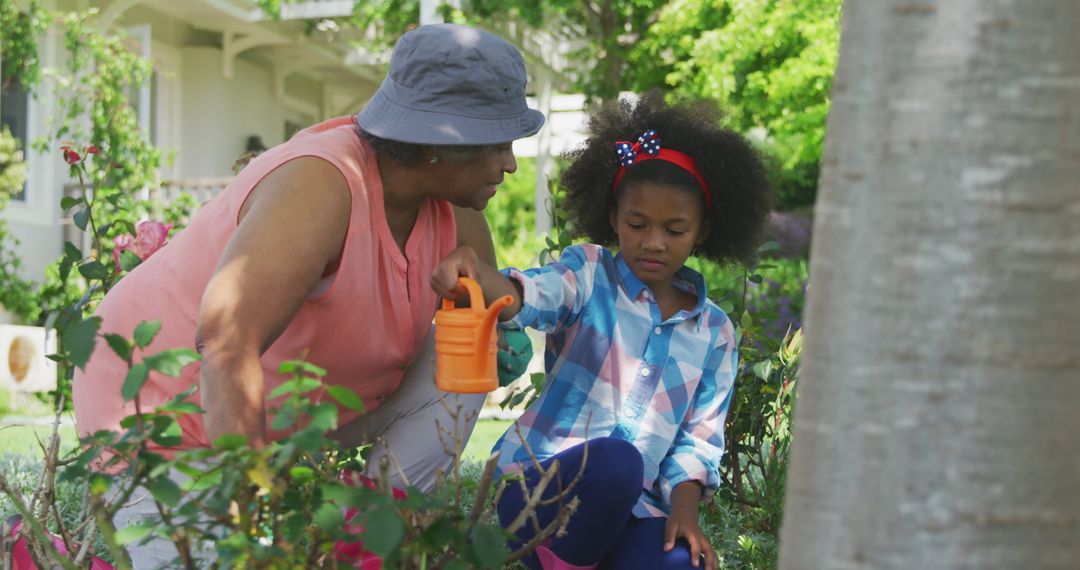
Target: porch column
[[544, 82]]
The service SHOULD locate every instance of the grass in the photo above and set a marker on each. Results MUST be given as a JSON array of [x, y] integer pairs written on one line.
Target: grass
[[23, 440], [484, 435]]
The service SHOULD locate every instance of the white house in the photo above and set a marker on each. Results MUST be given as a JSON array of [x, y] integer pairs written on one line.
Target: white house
[[223, 74], [226, 75]]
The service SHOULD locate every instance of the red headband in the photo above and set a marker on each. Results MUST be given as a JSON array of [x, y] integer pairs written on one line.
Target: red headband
[[648, 148]]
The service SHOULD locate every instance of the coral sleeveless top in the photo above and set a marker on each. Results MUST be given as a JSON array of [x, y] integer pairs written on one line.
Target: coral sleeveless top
[[363, 326]]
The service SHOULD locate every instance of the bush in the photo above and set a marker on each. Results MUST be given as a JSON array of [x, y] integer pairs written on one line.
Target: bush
[[16, 294]]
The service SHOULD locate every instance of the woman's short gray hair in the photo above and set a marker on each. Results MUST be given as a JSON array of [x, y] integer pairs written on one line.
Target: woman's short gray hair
[[410, 154]]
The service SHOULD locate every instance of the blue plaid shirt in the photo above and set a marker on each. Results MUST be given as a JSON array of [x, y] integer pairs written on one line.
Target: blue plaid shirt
[[616, 369]]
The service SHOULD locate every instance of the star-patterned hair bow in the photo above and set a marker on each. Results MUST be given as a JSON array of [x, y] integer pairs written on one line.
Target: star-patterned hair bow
[[648, 142], [647, 147]]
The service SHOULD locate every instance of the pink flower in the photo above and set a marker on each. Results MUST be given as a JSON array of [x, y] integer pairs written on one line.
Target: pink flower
[[91, 149], [352, 551], [20, 554], [149, 237], [70, 156]]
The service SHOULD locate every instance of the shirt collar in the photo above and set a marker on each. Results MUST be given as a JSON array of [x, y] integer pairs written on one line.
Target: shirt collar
[[630, 282], [633, 286]]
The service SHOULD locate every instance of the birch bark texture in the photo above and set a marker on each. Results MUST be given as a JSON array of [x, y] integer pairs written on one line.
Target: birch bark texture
[[937, 417]]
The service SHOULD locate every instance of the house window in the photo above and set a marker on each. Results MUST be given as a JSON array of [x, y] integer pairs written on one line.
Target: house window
[[14, 114]]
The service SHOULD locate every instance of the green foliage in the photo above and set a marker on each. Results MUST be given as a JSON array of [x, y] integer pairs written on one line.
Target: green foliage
[[18, 43], [611, 29], [765, 302], [16, 294], [769, 62]]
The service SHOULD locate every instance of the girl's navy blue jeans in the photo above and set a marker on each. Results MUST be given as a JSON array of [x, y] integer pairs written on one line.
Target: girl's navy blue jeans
[[603, 531]]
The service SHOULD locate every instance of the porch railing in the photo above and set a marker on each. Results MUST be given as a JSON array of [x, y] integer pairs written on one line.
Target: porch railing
[[200, 190]]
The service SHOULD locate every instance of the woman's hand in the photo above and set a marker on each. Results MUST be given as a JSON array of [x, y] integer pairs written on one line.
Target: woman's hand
[[683, 522], [462, 261]]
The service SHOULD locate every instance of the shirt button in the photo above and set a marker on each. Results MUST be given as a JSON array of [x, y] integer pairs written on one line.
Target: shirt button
[[644, 371], [656, 330], [401, 367], [629, 413], [379, 397]]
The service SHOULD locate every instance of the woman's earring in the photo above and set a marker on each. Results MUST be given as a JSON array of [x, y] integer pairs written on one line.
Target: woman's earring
[[434, 159]]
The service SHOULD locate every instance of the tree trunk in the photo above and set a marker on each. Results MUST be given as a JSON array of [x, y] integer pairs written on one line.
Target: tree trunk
[[938, 417]]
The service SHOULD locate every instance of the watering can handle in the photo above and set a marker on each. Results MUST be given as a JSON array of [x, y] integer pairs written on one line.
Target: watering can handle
[[476, 295]]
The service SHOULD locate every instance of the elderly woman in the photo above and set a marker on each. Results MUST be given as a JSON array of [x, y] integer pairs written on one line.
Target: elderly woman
[[322, 249]]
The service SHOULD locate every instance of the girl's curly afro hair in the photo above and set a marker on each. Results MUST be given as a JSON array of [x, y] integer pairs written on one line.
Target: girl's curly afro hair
[[741, 194]]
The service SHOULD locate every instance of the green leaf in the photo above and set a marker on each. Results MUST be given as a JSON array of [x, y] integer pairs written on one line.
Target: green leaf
[[301, 474], [145, 333], [132, 533], [71, 252], [343, 495], [346, 398], [120, 345], [94, 270], [440, 532], [294, 527], [79, 339], [67, 202], [283, 419], [294, 366], [128, 260], [383, 532], [134, 381], [81, 218], [100, 483], [324, 416], [166, 431], [165, 490], [204, 482], [489, 545], [182, 408], [65, 268], [329, 518], [762, 369], [769, 246], [756, 279], [297, 386], [308, 439], [746, 321], [171, 361], [230, 441]]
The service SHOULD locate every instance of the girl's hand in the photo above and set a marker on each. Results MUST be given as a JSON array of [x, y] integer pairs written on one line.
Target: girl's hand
[[460, 262], [679, 525], [683, 522]]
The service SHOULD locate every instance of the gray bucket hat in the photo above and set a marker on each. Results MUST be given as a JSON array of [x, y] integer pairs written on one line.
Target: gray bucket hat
[[452, 85]]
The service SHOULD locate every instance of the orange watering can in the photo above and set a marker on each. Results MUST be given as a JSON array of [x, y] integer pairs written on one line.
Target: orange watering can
[[465, 343]]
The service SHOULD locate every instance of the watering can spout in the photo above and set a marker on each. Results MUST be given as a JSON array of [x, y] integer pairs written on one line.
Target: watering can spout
[[487, 326]]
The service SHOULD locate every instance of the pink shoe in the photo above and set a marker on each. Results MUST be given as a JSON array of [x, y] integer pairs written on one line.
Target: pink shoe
[[549, 561], [20, 554]]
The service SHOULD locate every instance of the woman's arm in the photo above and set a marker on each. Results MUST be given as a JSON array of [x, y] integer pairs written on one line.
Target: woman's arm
[[465, 261], [473, 231], [291, 228]]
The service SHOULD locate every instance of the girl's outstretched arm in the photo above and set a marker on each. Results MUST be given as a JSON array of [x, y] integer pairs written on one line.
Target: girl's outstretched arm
[[463, 262]]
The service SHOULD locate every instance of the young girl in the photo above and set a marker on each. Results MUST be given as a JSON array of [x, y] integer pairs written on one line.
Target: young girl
[[640, 363]]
